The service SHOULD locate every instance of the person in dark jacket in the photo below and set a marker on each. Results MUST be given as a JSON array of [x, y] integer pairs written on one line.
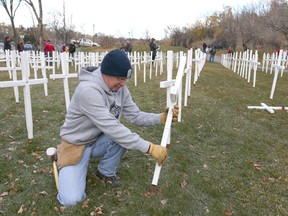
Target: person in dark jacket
[[20, 46], [72, 48], [7, 43], [153, 48], [128, 47], [212, 53]]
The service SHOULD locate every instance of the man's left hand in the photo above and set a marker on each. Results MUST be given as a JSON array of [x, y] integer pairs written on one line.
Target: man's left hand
[[163, 116]]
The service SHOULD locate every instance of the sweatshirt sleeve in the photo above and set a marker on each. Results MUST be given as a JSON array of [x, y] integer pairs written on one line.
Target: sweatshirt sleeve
[[133, 114], [92, 104]]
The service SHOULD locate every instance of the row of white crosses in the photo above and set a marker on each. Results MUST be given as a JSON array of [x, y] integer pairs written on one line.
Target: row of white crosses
[[242, 64], [249, 61], [11, 67], [38, 61], [270, 60], [200, 59], [25, 82], [135, 61], [277, 66], [276, 62], [147, 60]]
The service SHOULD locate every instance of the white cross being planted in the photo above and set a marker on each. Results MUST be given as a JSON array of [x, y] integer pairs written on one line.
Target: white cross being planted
[[173, 95]]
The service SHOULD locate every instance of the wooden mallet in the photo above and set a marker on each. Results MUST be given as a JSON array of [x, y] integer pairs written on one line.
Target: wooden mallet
[[52, 153]]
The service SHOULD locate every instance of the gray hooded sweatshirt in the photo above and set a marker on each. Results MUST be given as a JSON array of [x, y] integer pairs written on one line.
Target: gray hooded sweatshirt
[[94, 110]]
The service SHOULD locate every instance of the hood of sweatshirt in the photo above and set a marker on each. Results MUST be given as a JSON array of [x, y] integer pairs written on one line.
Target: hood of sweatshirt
[[93, 75]]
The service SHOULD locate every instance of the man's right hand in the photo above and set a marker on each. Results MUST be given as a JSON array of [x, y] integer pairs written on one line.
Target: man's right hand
[[158, 152]]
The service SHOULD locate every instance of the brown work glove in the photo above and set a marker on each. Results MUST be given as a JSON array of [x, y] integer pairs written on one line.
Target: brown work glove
[[158, 152], [163, 116]]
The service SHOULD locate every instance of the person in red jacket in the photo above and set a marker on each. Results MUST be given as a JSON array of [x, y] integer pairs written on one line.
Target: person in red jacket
[[49, 48]]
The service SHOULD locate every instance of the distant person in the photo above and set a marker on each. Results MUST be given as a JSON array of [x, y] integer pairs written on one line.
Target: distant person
[[44, 44], [244, 47], [212, 53], [128, 47], [20, 46], [72, 48], [204, 47], [35, 47], [123, 47], [49, 48], [153, 48], [7, 43], [278, 51], [60, 47], [230, 51]]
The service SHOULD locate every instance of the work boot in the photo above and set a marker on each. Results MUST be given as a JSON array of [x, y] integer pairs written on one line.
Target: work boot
[[111, 180]]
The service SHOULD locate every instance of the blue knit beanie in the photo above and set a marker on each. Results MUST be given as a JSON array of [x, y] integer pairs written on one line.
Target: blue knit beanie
[[116, 63]]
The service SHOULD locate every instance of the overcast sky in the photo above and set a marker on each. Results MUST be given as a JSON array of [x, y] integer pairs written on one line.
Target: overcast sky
[[127, 18]]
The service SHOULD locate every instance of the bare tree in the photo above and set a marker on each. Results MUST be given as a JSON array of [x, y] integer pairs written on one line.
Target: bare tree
[[64, 30], [11, 8], [39, 17], [277, 16], [249, 27]]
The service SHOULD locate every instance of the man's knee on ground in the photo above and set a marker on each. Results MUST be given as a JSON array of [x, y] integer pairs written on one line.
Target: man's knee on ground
[[70, 199]]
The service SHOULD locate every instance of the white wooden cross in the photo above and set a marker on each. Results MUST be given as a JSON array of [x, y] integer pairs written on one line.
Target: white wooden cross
[[277, 67], [188, 72], [11, 67], [144, 62], [173, 95], [134, 61], [64, 58], [270, 109], [25, 83], [40, 63], [200, 59]]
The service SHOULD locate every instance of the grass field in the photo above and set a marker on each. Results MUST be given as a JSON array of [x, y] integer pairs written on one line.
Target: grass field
[[224, 160]]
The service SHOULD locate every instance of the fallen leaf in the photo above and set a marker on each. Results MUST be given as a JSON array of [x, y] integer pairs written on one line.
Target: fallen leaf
[[164, 201], [62, 208], [147, 194], [257, 166], [37, 155], [12, 191], [33, 212], [11, 149], [4, 194], [22, 209], [44, 170], [227, 212], [43, 193], [85, 203], [20, 162], [98, 210], [183, 184]]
